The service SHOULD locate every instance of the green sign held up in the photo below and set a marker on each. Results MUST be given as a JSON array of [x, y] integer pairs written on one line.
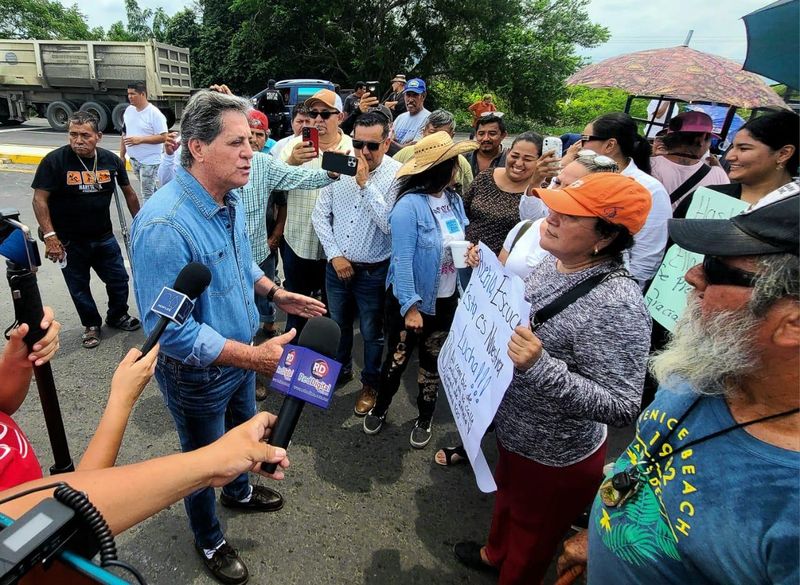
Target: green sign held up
[[666, 297]]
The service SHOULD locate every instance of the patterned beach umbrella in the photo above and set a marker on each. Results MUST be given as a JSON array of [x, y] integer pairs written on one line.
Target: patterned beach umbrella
[[681, 73], [773, 42]]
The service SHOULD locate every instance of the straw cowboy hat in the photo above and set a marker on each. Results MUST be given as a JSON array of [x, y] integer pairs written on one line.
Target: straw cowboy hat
[[434, 149]]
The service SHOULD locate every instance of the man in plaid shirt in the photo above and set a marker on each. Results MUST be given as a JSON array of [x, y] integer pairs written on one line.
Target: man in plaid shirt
[[304, 261], [269, 178]]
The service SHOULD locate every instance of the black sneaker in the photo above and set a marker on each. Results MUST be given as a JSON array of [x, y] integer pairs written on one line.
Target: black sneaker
[[373, 422], [421, 433], [225, 565]]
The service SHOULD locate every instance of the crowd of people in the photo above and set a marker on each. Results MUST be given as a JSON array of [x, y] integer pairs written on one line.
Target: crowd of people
[[587, 233]]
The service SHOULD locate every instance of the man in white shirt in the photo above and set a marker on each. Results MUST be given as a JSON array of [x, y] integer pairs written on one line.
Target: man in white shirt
[[657, 114], [303, 258], [409, 125], [351, 219], [143, 133]]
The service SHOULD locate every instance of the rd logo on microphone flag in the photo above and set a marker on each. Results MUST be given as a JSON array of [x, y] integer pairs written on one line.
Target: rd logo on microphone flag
[[307, 375]]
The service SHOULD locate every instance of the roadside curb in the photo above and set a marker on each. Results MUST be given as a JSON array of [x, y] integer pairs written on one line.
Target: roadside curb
[[32, 155]]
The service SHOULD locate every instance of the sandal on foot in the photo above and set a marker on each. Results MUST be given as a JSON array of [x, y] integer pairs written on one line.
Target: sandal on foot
[[91, 337], [126, 323], [452, 456]]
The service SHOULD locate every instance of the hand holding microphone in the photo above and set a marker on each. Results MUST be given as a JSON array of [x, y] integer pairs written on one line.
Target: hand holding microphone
[[321, 335]]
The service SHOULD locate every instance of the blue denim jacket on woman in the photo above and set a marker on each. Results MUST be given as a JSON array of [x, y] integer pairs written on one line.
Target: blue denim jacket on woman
[[417, 250]]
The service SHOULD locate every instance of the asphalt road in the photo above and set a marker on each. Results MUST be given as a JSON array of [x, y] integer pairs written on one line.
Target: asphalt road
[[359, 509], [37, 132]]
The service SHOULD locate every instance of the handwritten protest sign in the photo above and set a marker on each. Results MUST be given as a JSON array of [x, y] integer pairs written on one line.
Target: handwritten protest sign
[[474, 365], [666, 297]]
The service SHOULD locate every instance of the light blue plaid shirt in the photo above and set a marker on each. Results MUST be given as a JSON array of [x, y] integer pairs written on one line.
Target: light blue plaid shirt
[[268, 174]]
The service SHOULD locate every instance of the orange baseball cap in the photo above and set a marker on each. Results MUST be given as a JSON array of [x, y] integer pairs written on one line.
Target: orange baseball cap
[[615, 198], [325, 96]]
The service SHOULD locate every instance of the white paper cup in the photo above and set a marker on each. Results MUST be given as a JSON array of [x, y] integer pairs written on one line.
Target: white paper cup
[[459, 248]]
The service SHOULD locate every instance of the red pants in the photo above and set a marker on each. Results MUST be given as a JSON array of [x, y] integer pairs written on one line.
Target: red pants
[[534, 507]]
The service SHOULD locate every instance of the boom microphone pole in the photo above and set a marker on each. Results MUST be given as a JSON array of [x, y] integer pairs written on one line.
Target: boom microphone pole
[[23, 261]]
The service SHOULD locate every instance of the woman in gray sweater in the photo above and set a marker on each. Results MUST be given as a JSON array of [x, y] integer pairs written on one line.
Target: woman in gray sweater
[[580, 370]]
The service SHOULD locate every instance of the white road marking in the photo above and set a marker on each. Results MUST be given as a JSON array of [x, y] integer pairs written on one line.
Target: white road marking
[[24, 130]]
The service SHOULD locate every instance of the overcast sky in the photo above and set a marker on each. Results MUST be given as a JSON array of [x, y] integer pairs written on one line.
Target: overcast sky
[[635, 25]]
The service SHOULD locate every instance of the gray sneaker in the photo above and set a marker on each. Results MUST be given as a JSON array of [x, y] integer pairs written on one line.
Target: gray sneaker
[[421, 433], [373, 422]]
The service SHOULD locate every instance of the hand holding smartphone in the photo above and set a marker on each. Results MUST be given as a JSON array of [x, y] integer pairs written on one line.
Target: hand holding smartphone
[[553, 144], [311, 134], [336, 162]]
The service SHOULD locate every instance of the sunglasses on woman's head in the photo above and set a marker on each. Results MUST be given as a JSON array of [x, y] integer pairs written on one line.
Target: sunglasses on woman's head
[[600, 160], [373, 146], [324, 114], [720, 273]]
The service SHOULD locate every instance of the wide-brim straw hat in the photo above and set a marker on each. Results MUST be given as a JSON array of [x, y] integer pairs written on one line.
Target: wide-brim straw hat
[[434, 149]]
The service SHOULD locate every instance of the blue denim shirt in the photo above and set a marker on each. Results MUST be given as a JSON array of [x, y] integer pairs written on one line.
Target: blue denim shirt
[[182, 223], [417, 250]]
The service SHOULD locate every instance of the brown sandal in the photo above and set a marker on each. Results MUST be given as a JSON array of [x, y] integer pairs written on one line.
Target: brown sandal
[[91, 337]]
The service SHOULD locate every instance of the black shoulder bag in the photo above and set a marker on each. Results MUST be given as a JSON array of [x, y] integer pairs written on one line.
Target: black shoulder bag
[[677, 195], [553, 308]]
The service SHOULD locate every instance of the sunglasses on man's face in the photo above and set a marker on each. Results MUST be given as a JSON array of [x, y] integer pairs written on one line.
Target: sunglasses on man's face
[[324, 114], [373, 146], [720, 273]]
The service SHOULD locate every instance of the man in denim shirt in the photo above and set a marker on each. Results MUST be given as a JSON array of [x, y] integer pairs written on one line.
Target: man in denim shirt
[[206, 369]]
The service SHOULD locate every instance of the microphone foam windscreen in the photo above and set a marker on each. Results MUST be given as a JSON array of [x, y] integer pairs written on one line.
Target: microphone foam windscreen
[[193, 279], [321, 334]]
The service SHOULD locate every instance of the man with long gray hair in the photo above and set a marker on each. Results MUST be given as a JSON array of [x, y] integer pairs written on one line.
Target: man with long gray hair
[[206, 368], [707, 492]]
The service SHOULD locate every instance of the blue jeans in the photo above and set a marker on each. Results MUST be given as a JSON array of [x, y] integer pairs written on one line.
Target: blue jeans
[[302, 276], [363, 294], [266, 309], [105, 257], [205, 403]]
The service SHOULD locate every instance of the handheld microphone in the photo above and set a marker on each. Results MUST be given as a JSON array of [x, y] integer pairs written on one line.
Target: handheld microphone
[[174, 304], [321, 335]]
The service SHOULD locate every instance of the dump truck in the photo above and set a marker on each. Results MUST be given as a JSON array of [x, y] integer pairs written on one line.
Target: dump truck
[[53, 79]]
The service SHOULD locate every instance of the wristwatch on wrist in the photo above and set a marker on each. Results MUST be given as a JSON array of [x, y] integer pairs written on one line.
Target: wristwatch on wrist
[[271, 294]]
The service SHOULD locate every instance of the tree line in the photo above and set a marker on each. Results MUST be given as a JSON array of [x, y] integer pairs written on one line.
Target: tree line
[[520, 50]]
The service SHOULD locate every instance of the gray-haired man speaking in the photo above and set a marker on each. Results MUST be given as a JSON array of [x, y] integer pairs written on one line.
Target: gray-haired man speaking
[[206, 368]]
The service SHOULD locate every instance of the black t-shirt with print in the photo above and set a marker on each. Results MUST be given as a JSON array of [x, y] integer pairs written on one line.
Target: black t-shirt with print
[[80, 204]]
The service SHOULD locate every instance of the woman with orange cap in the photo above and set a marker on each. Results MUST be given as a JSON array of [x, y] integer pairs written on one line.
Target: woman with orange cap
[[578, 367]]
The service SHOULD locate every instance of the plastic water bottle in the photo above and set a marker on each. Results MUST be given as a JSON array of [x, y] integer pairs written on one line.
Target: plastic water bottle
[[62, 264]]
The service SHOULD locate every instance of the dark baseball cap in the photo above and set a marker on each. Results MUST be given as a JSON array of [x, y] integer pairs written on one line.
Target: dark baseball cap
[[771, 226]]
